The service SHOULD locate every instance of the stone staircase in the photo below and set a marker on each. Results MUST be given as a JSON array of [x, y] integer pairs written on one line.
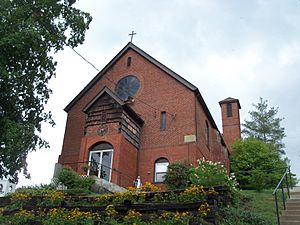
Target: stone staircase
[[102, 186], [291, 216]]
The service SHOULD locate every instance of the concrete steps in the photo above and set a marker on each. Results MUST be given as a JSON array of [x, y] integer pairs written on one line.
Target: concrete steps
[[291, 216], [102, 186]]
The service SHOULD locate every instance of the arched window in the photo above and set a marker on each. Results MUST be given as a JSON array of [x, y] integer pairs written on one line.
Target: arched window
[[102, 146], [160, 169], [100, 161]]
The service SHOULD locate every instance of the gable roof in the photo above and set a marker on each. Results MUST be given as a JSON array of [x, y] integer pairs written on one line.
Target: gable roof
[[170, 72], [230, 100], [127, 108], [99, 95], [130, 45]]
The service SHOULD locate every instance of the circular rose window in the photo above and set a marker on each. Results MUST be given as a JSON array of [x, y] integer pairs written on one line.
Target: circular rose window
[[127, 87]]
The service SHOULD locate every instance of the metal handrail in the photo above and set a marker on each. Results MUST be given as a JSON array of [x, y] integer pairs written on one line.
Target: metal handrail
[[284, 179], [113, 169]]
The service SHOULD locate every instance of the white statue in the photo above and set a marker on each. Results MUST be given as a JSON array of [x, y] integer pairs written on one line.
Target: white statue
[[138, 182]]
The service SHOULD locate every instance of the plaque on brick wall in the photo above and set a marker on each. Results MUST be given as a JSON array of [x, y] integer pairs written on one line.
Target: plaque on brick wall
[[102, 130], [189, 138]]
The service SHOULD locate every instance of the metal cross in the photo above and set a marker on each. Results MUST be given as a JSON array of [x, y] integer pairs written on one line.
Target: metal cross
[[132, 33]]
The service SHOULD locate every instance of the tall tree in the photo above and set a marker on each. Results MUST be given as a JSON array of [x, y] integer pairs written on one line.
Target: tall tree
[[264, 125], [31, 31], [256, 164]]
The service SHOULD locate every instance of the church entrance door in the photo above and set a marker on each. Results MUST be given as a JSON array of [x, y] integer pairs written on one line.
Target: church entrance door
[[100, 163]]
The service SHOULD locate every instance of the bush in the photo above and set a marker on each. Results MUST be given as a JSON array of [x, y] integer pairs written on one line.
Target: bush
[[209, 174], [177, 176], [235, 216], [259, 180], [37, 190], [72, 180]]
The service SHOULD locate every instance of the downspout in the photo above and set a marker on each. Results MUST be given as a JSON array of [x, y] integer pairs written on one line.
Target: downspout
[[138, 162], [196, 119]]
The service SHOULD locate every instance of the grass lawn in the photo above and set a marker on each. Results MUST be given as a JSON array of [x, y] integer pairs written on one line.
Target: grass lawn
[[261, 202], [252, 208]]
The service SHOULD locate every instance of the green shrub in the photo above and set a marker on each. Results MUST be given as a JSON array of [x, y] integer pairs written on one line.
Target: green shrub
[[258, 180], [239, 216], [209, 174], [37, 190], [177, 176], [72, 180]]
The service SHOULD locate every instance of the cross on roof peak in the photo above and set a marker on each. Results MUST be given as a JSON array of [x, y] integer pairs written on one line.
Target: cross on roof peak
[[131, 34]]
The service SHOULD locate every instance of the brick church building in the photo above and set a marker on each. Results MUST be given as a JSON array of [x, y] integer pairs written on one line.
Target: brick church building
[[137, 116]]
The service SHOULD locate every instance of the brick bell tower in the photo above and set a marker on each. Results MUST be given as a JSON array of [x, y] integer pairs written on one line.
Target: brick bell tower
[[230, 120]]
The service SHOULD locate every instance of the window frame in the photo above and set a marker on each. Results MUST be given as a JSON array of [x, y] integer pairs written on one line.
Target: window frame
[[206, 133], [101, 148], [163, 120], [160, 161], [129, 61], [229, 109]]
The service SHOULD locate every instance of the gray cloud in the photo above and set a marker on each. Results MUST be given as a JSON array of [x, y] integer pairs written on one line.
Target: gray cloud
[[242, 49]]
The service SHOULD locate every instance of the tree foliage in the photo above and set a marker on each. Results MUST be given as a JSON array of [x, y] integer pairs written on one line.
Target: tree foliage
[[30, 32], [256, 164], [264, 125]]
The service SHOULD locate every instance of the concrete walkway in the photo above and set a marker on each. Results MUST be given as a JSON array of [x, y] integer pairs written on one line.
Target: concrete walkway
[[291, 216]]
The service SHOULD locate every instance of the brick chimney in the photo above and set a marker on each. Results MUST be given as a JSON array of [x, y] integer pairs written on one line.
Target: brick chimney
[[230, 120]]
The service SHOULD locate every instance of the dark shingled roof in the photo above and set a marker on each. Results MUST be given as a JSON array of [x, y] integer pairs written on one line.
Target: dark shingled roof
[[230, 100]]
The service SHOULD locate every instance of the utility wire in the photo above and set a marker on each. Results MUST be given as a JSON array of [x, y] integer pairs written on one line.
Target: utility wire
[[87, 61], [84, 58], [150, 106], [155, 109]]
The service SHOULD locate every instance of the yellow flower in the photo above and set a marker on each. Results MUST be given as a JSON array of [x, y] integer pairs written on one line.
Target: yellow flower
[[193, 189], [132, 214], [54, 196], [25, 214], [212, 191], [131, 189], [104, 197], [19, 196], [110, 210], [166, 215], [149, 187], [204, 209], [180, 216]]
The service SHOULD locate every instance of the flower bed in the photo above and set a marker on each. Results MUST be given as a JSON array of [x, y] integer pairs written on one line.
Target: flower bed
[[193, 204]]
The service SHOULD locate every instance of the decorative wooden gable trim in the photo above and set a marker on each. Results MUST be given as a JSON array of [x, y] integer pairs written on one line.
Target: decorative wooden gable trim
[[107, 108]]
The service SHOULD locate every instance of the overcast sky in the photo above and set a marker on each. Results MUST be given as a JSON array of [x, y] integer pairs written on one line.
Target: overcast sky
[[232, 48]]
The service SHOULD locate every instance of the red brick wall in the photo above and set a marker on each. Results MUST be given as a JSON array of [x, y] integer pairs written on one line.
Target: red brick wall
[[231, 125], [158, 92], [161, 92], [124, 155]]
